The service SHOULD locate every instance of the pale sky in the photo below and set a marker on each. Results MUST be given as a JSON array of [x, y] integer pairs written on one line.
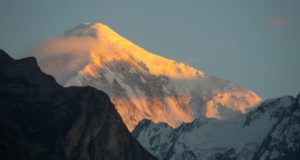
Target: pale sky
[[253, 43]]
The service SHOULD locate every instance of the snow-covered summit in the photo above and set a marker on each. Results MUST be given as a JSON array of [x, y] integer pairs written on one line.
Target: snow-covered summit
[[94, 30], [142, 85]]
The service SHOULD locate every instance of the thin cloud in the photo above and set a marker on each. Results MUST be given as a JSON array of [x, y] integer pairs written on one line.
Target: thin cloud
[[66, 45], [56, 56], [279, 21]]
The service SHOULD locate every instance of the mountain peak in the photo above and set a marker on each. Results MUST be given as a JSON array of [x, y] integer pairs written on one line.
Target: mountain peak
[[141, 84], [94, 30], [109, 47]]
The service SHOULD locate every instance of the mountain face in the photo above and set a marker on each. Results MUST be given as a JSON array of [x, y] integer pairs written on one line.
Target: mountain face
[[39, 119], [269, 132], [142, 85]]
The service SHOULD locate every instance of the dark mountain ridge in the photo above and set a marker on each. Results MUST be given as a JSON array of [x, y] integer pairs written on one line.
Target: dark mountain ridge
[[40, 119]]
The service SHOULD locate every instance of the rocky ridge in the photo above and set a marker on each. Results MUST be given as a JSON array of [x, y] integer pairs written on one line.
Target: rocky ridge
[[40, 119], [269, 132]]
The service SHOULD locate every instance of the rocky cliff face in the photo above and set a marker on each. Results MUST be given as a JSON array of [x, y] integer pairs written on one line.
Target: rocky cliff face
[[270, 132], [39, 119]]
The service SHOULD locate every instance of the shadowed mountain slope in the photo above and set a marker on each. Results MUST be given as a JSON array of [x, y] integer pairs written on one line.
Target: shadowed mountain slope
[[40, 119]]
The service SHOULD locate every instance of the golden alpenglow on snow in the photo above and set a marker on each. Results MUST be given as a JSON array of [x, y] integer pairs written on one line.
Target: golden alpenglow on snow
[[141, 84]]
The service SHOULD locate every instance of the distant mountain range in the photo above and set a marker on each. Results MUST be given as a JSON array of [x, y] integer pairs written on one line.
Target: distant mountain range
[[41, 120], [269, 132], [141, 84]]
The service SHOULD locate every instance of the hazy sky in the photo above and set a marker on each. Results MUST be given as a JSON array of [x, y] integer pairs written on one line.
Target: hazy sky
[[255, 43]]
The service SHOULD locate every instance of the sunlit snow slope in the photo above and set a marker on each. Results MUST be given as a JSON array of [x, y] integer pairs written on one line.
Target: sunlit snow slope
[[269, 132], [141, 84]]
